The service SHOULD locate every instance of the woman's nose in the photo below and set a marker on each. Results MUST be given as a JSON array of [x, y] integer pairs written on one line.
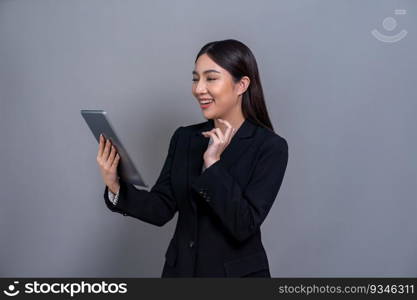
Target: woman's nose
[[200, 87]]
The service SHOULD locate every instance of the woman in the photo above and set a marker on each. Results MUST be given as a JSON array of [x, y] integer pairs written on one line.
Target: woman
[[222, 189]]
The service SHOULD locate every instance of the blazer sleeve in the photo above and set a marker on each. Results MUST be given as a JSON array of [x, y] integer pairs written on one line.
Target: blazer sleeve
[[156, 206], [242, 210]]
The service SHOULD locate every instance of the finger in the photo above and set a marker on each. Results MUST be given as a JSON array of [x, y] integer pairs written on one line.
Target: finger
[[229, 129], [225, 122], [111, 156], [100, 146], [213, 136], [220, 135], [106, 150], [115, 162], [205, 132], [232, 133]]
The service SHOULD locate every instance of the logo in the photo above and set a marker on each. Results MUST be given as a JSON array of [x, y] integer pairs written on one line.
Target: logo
[[389, 24], [70, 288], [11, 289]]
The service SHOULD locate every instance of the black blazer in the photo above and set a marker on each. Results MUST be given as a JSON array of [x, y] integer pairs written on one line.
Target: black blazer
[[220, 211]]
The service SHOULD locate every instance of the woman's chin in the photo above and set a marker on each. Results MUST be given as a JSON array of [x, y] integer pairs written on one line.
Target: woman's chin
[[208, 115]]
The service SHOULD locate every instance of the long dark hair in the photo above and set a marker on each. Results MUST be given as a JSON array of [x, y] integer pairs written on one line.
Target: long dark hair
[[238, 60]]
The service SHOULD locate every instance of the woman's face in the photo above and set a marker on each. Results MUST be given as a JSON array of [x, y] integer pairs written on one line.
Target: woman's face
[[210, 81]]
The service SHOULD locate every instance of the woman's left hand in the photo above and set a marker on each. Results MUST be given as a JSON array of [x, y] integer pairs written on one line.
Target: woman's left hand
[[220, 142]]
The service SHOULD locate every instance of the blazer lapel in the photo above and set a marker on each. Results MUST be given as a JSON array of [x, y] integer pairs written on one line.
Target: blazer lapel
[[198, 145]]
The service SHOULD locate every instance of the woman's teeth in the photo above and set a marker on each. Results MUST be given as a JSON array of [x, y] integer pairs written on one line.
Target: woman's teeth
[[206, 101]]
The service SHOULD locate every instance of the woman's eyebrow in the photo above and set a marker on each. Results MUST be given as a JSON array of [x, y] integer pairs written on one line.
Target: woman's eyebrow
[[206, 71]]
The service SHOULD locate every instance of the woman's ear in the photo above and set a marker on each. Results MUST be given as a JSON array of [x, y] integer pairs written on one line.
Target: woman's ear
[[243, 85]]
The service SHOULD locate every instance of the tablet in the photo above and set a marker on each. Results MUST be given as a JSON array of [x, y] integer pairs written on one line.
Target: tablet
[[98, 123]]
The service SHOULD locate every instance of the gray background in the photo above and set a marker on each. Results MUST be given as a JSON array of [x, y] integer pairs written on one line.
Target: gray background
[[345, 102]]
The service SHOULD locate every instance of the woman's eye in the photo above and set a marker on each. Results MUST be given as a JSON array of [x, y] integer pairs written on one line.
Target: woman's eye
[[209, 79]]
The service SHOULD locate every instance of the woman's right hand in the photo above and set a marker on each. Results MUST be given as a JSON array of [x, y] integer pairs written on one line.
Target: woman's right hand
[[108, 161]]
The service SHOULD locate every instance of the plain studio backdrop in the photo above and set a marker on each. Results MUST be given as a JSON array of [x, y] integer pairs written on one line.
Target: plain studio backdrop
[[344, 99]]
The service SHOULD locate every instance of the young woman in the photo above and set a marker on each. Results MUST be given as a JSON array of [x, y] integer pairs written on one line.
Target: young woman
[[222, 175]]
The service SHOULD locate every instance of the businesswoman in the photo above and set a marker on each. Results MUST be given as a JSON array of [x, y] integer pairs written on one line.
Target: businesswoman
[[222, 175]]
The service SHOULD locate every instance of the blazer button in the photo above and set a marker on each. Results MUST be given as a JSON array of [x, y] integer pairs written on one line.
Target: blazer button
[[191, 244]]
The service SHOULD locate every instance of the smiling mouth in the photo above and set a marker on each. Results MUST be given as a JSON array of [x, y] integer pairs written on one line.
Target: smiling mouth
[[206, 103]]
